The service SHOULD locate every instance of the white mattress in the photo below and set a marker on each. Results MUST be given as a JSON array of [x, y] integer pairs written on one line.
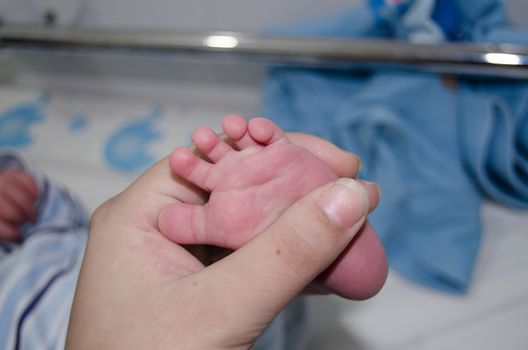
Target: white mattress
[[493, 315]]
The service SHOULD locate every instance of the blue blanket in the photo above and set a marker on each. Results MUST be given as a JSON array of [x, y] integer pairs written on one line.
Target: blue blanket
[[437, 145]]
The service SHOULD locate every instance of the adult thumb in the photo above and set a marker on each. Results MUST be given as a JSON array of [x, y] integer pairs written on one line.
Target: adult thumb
[[258, 280]]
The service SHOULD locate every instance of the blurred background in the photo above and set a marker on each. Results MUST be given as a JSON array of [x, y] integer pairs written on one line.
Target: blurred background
[[94, 120], [234, 15]]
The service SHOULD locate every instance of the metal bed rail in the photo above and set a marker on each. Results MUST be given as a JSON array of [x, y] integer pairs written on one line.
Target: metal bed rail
[[490, 60]]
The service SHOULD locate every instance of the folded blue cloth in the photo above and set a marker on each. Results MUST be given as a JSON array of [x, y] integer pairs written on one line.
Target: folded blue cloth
[[436, 146]]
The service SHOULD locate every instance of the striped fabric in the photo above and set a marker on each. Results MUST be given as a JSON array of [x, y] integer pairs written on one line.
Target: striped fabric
[[38, 274]]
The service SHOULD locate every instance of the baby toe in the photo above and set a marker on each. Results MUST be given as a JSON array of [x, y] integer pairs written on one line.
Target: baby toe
[[210, 144], [185, 163], [264, 131], [236, 128]]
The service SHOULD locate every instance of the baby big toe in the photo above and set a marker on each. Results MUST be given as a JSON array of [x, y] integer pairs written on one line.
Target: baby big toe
[[178, 222]]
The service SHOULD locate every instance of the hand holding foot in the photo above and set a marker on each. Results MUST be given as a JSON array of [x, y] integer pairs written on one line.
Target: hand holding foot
[[250, 187], [139, 290]]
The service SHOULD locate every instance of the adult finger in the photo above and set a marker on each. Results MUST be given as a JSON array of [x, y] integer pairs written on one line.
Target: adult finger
[[373, 192], [343, 163], [262, 276]]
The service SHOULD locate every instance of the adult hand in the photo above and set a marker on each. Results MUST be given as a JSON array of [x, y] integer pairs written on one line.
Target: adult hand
[[139, 290]]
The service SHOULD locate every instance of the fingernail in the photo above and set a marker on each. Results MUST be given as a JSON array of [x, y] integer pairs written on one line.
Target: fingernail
[[373, 185], [345, 203], [358, 160]]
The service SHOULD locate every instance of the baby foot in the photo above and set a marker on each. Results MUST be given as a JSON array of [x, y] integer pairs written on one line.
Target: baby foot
[[249, 186]]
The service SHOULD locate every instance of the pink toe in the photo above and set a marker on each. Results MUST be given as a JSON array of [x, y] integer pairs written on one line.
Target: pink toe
[[234, 126], [176, 223], [185, 163], [181, 161], [210, 144], [204, 138], [265, 131]]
